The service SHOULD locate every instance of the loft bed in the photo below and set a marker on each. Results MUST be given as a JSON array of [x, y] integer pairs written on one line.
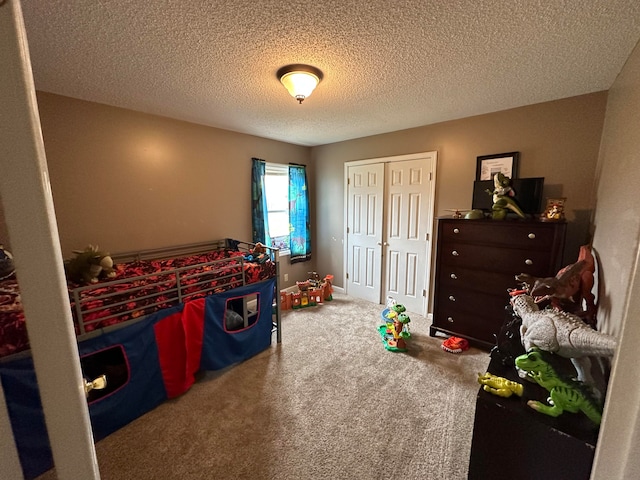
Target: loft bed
[[168, 314], [146, 282]]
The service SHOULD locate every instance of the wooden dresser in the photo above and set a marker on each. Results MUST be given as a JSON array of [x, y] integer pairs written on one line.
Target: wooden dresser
[[477, 261]]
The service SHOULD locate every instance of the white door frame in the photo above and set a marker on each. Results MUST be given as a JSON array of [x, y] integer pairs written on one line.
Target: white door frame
[[430, 156]]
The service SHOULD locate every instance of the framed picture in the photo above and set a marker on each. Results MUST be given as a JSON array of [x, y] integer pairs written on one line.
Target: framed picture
[[505, 163]]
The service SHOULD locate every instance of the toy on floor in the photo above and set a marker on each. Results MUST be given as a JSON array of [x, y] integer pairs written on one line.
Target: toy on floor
[[455, 345], [311, 292], [395, 329]]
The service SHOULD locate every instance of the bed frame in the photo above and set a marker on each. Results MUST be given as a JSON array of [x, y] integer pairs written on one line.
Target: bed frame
[[163, 289], [187, 282], [160, 352]]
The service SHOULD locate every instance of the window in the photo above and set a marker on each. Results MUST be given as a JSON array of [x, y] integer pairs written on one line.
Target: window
[[276, 185], [280, 208]]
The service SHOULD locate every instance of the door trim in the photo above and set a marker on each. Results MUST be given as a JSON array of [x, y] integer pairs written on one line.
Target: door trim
[[429, 156]]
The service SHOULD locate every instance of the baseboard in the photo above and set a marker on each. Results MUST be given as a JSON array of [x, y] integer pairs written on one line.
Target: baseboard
[[338, 289]]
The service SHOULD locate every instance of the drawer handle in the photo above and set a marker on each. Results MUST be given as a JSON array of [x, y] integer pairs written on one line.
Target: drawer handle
[[452, 298], [456, 230], [455, 253], [454, 276], [450, 319], [532, 236], [528, 261]]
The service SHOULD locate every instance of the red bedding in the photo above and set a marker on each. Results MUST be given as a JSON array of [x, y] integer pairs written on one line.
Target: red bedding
[[139, 288]]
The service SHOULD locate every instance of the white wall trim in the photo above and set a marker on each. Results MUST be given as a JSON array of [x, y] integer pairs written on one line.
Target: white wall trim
[[35, 244]]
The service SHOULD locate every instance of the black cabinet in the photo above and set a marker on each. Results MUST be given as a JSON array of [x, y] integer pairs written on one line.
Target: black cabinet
[[476, 263], [513, 441]]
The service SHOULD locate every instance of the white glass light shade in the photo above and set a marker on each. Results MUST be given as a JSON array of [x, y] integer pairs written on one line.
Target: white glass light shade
[[299, 80]]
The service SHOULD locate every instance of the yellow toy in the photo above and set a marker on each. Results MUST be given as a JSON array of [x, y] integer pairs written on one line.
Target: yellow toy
[[499, 385]]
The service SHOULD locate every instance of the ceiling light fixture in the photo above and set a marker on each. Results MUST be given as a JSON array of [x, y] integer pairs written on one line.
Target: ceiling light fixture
[[299, 80]]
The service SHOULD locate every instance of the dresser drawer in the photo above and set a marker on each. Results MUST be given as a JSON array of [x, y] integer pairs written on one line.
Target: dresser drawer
[[481, 321], [492, 283], [495, 259], [528, 235]]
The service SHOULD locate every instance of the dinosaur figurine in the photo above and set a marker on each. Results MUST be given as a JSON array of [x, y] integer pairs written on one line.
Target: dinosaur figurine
[[561, 333], [502, 201], [564, 394], [89, 265], [569, 289], [500, 386]]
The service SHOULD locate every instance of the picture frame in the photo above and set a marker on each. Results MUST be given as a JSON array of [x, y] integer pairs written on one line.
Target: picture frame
[[505, 163]]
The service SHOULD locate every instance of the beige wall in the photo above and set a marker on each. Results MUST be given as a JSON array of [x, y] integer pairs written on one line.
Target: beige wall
[[127, 180], [616, 239], [557, 140]]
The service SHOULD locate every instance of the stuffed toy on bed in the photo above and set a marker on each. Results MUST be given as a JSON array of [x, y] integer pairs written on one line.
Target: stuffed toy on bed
[[257, 254], [89, 266], [6, 263]]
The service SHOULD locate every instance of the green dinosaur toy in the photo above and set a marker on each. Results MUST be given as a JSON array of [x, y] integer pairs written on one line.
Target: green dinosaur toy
[[502, 201], [564, 393], [89, 265]]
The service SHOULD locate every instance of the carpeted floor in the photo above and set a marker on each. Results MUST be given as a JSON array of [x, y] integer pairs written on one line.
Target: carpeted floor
[[328, 403]]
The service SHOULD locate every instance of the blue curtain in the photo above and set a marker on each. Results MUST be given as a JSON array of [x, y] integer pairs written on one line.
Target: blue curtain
[[300, 240], [260, 219]]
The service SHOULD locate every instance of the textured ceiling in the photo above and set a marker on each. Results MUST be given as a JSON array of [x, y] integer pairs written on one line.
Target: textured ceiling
[[388, 64]]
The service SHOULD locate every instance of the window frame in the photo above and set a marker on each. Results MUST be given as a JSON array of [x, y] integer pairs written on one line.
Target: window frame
[[278, 169]]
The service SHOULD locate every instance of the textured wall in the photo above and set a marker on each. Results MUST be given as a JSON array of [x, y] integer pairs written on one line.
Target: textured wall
[[557, 140]]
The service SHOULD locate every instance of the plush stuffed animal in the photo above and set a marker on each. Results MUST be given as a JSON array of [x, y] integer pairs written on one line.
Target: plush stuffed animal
[[257, 254], [89, 265], [6, 264]]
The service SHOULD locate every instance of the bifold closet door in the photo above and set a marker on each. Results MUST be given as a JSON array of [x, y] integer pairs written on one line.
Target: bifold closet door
[[405, 240], [364, 231]]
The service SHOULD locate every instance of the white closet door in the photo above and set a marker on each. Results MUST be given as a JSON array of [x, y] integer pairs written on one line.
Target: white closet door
[[407, 201], [364, 230]]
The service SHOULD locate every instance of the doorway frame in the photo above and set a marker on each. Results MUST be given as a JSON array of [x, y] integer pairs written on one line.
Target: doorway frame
[[431, 156]]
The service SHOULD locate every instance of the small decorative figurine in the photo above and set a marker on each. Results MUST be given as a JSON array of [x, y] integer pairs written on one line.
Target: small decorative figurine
[[565, 394], [554, 211], [456, 212], [500, 386], [502, 201]]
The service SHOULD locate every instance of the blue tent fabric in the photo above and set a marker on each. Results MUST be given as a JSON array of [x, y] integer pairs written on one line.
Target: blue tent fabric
[[25, 413], [143, 392], [220, 348], [145, 388]]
